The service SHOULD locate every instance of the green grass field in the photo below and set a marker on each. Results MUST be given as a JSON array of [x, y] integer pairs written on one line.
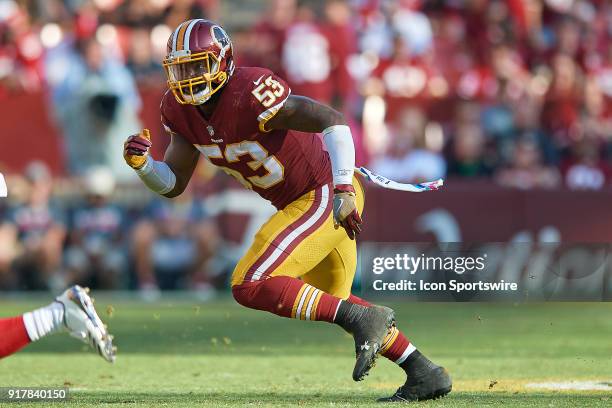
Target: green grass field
[[178, 353]]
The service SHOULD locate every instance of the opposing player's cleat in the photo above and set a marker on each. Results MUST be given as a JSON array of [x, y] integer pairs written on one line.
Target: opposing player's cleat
[[83, 323], [427, 385], [369, 330]]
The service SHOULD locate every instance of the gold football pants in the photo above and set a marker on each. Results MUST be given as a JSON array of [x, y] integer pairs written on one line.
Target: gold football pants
[[301, 241]]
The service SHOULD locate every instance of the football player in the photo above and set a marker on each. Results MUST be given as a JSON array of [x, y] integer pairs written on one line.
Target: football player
[[301, 264], [73, 311]]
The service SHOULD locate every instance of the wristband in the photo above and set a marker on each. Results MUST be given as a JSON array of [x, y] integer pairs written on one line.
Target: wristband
[[157, 176]]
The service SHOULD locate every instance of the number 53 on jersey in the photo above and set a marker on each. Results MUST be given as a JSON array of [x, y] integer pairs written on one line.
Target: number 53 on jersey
[[257, 157]]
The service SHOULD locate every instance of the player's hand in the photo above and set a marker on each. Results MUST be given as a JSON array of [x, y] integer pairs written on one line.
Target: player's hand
[[345, 210], [136, 149]]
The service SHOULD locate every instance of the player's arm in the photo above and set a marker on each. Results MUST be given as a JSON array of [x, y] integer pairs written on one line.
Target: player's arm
[[168, 177], [306, 115]]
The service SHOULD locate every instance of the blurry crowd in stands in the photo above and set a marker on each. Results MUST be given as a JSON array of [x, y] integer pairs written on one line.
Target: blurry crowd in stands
[[517, 90], [514, 91], [92, 239]]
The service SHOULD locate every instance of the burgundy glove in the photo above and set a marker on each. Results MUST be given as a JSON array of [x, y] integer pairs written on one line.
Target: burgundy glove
[[136, 149], [345, 210]]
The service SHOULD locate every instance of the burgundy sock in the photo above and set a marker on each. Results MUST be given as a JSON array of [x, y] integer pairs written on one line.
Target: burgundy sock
[[288, 297]]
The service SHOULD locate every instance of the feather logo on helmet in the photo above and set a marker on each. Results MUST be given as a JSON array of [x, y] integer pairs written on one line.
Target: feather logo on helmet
[[220, 38]]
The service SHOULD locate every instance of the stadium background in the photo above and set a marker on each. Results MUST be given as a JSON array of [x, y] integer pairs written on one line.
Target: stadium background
[[509, 100]]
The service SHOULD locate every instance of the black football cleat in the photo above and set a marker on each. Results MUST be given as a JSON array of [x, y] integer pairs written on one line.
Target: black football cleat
[[432, 384], [369, 331]]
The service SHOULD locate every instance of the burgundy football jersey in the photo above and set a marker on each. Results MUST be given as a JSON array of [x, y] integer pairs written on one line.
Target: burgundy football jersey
[[280, 165]]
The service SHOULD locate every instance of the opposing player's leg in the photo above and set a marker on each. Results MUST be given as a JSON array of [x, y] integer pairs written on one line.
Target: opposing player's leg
[[72, 311], [14, 335]]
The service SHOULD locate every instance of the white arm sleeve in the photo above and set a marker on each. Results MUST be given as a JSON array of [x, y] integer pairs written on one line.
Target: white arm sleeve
[[339, 142], [157, 176]]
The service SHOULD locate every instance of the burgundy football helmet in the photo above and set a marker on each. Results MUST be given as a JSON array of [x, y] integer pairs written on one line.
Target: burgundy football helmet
[[199, 61]]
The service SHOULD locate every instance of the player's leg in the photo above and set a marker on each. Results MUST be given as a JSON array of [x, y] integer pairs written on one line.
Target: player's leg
[[266, 278], [334, 275], [370, 325], [293, 242], [73, 310], [425, 380], [14, 335], [291, 297]]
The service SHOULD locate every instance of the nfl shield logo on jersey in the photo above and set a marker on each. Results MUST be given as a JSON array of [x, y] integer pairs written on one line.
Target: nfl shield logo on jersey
[[211, 131]]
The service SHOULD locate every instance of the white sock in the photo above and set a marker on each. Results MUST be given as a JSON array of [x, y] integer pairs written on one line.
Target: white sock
[[409, 350], [43, 321]]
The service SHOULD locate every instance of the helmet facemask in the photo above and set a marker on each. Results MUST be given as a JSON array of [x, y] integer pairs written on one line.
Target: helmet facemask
[[194, 78]]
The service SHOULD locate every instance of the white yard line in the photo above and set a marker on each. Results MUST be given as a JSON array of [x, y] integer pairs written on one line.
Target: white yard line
[[596, 385]]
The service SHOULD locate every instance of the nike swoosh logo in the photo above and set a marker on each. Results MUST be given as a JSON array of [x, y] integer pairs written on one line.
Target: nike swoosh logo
[[341, 203], [258, 81]]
